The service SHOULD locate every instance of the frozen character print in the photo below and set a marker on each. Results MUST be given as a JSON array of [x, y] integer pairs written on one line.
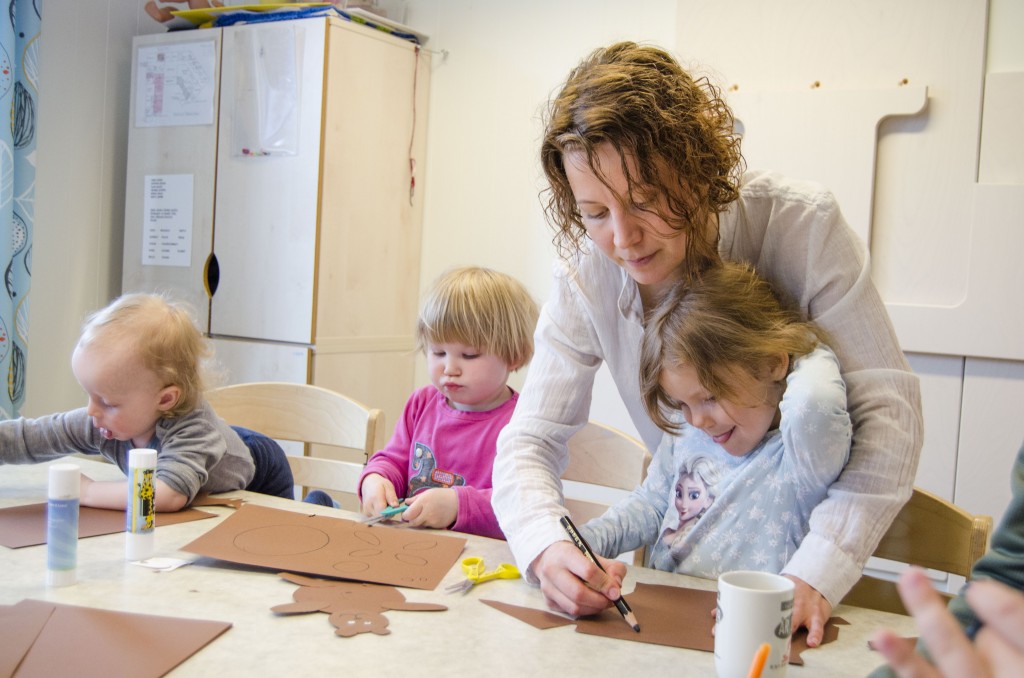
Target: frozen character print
[[694, 495]]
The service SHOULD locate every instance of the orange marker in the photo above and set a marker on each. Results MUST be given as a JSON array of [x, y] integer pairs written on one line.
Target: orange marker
[[760, 657]]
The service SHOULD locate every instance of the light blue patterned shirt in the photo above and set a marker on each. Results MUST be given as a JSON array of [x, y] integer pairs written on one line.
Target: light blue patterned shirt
[[762, 501]]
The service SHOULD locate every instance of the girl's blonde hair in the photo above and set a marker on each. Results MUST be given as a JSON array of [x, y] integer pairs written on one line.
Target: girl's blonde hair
[[482, 308], [163, 334], [677, 129], [725, 322]]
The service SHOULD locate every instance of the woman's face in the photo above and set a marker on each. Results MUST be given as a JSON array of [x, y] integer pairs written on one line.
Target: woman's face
[[627, 229]]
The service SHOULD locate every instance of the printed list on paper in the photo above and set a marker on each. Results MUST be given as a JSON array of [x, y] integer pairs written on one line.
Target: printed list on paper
[[167, 211]]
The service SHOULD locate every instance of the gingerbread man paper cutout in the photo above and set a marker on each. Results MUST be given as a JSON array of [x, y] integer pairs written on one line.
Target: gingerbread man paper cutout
[[353, 607]]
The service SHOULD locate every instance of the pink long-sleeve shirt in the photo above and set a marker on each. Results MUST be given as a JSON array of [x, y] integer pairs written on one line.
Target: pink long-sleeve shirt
[[436, 445]]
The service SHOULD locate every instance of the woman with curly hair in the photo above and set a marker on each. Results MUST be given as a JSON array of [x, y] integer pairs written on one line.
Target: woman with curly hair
[[647, 188]]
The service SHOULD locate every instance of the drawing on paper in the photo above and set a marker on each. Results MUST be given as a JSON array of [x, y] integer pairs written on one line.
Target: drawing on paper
[[331, 547]]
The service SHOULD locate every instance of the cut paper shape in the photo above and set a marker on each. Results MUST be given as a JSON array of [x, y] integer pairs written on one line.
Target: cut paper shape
[[668, 615], [97, 643], [26, 525], [217, 500], [353, 607], [19, 626], [161, 564], [330, 547], [538, 619], [910, 642]]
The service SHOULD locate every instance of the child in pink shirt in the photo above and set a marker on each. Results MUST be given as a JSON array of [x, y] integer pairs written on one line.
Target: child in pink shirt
[[475, 328]]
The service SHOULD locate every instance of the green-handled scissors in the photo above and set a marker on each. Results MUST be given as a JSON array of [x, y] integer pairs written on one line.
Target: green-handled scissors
[[475, 573], [388, 512]]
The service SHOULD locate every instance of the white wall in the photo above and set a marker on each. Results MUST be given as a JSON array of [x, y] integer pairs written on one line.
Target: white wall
[[85, 68], [481, 180], [503, 62]]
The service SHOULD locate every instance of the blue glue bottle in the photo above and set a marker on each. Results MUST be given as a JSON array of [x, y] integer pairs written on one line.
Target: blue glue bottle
[[140, 516], [62, 524]]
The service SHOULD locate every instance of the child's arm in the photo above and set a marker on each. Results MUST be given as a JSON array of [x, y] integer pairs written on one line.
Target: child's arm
[[474, 513], [30, 441], [391, 463], [113, 494], [636, 520], [816, 429]]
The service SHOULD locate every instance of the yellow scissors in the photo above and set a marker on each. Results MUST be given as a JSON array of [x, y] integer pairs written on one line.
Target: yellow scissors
[[475, 574]]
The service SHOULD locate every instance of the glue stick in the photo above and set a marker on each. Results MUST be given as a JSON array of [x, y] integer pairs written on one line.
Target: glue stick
[[140, 515], [62, 524]]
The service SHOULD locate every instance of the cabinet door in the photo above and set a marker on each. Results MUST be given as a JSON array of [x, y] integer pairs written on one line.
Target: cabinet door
[[239, 362], [169, 185], [268, 168]]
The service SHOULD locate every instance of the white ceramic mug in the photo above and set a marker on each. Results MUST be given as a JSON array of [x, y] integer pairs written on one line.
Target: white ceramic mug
[[753, 608]]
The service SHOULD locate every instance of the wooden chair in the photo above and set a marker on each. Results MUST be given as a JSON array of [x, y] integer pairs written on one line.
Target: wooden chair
[[339, 434], [928, 532], [605, 464]]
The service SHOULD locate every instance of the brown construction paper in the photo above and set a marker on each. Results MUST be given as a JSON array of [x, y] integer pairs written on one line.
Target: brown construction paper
[[330, 547], [910, 642], [26, 525], [104, 643], [668, 615], [536, 618], [217, 500], [20, 625], [354, 607]]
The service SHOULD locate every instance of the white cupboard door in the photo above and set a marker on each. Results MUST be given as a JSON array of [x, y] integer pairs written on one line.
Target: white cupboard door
[[268, 168], [241, 362], [169, 185]]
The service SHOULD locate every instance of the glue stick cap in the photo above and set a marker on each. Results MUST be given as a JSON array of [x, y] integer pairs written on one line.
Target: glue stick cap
[[58, 578], [141, 457], [64, 481]]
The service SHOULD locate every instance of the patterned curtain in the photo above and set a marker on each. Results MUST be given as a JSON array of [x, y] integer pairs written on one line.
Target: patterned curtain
[[19, 93]]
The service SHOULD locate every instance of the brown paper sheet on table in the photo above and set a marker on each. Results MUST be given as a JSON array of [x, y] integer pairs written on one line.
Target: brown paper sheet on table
[[330, 547], [668, 615], [20, 625], [98, 643], [26, 525], [539, 619], [217, 500]]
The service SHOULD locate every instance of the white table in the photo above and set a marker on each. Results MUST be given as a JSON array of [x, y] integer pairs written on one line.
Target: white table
[[468, 638]]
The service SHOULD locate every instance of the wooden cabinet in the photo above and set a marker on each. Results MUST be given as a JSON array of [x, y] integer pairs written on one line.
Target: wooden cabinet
[[292, 219]]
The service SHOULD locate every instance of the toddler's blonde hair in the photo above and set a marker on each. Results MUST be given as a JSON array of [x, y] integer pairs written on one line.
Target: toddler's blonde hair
[[164, 336], [483, 308]]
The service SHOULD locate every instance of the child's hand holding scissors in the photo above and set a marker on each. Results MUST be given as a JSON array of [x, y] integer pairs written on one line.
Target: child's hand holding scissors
[[378, 493], [436, 507]]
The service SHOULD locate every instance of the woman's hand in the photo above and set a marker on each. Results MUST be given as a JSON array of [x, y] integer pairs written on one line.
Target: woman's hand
[[378, 493], [437, 507], [997, 650], [574, 585], [810, 609]]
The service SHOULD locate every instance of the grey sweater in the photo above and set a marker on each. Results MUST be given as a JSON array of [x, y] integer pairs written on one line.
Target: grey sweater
[[197, 452]]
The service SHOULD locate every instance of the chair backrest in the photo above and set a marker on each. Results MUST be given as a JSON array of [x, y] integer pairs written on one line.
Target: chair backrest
[[928, 532], [605, 464], [339, 433]]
